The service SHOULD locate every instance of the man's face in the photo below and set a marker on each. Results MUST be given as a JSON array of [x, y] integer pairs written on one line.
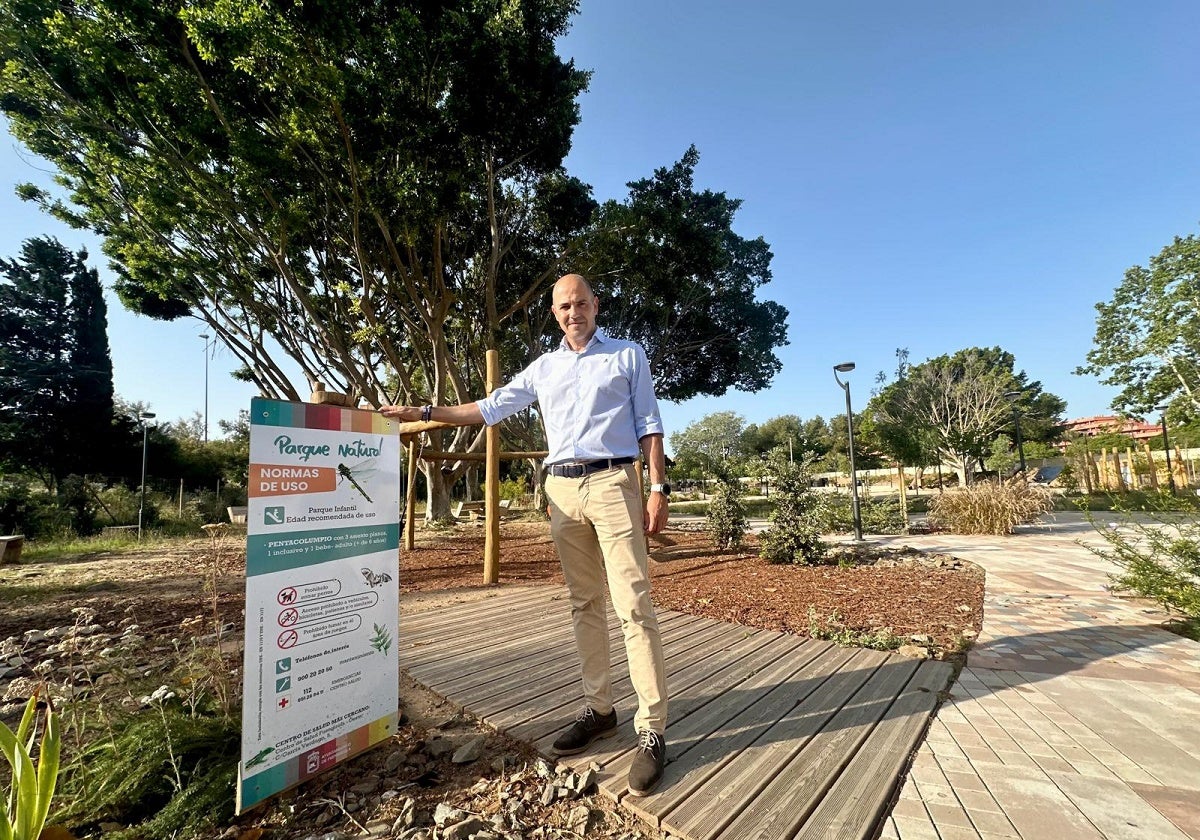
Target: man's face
[[575, 308]]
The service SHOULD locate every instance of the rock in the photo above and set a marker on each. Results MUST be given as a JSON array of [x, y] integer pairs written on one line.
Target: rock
[[586, 782], [913, 652], [920, 639], [377, 828], [438, 747], [416, 834], [407, 817], [32, 637], [549, 792], [58, 632], [578, 820], [464, 829], [444, 814], [20, 689], [394, 761], [470, 751], [365, 787], [544, 769]]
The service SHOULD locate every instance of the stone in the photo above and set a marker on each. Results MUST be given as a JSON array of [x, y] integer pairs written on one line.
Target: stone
[[377, 828], [578, 820], [416, 834], [32, 637], [587, 781], [444, 814], [22, 688], [465, 829], [438, 747], [549, 792], [913, 652], [407, 817], [365, 787], [394, 760], [470, 751]]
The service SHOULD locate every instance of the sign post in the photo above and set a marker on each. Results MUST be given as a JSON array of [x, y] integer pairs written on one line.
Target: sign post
[[321, 671]]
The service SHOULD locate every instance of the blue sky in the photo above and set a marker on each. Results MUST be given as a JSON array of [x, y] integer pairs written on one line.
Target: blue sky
[[929, 175]]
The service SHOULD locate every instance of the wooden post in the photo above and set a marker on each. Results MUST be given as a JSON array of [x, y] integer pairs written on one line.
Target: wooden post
[[410, 501], [1153, 466], [491, 540], [1116, 467], [903, 495], [1135, 482]]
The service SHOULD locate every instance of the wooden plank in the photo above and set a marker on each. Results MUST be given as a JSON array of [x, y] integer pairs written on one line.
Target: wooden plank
[[467, 636], [517, 654], [719, 801], [556, 646], [533, 627], [430, 623], [559, 708], [701, 698], [687, 678], [570, 681], [776, 811], [770, 695], [859, 798]]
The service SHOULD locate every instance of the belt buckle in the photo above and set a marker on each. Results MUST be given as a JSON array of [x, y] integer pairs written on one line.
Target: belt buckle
[[576, 470]]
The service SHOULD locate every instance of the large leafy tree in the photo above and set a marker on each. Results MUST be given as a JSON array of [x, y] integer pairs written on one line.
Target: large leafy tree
[[56, 389], [373, 189], [953, 406], [1147, 340]]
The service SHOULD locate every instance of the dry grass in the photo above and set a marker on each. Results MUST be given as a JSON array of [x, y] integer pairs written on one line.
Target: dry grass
[[989, 507]]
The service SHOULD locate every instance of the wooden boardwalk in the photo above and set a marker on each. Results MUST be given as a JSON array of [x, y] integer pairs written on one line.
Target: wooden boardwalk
[[770, 736]]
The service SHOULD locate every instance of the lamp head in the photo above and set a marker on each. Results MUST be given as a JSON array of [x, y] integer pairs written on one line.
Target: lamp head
[[147, 415], [1012, 395], [1161, 408], [844, 367], [204, 336]]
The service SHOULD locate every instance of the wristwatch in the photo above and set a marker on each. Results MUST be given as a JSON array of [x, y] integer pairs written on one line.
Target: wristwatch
[[665, 489]]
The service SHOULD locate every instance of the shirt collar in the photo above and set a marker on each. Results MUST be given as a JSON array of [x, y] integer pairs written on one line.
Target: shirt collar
[[598, 337]]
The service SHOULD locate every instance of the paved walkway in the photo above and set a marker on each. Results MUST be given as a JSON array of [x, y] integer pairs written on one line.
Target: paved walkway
[[1076, 718]]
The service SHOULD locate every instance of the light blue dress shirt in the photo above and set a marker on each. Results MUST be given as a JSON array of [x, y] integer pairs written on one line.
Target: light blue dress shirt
[[596, 404]]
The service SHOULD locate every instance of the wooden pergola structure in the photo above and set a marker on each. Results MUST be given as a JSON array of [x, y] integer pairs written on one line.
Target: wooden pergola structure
[[492, 456]]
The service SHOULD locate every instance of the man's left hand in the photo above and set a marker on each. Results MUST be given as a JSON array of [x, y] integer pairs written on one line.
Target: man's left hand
[[654, 518]]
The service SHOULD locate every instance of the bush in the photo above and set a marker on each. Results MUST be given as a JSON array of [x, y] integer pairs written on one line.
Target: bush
[[1160, 560], [989, 507], [726, 516], [879, 516], [795, 532]]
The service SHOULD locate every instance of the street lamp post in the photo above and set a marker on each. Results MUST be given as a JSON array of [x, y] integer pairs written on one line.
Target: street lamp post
[[1013, 396], [206, 346], [846, 367], [143, 417], [1166, 446]]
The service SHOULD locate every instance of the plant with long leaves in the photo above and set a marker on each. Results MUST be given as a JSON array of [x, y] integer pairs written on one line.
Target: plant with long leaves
[[32, 785]]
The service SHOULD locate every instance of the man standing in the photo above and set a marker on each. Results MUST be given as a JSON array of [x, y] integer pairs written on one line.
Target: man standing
[[596, 398]]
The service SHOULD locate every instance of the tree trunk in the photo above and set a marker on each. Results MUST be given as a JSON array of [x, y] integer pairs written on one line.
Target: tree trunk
[[437, 497]]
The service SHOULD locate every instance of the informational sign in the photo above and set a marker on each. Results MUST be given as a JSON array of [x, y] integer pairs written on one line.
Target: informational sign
[[322, 564]]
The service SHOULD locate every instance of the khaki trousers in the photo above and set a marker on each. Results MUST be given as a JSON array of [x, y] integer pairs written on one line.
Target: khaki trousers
[[596, 522]]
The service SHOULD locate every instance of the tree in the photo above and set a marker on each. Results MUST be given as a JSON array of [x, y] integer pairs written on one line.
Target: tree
[[712, 441], [955, 406], [244, 168], [1147, 338], [56, 391]]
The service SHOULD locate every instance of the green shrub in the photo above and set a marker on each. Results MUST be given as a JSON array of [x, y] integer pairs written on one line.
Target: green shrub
[[795, 532], [726, 516], [879, 515], [31, 784], [989, 507], [163, 775], [1158, 560]]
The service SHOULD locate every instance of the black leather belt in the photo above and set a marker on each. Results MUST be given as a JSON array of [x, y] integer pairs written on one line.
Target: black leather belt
[[580, 470]]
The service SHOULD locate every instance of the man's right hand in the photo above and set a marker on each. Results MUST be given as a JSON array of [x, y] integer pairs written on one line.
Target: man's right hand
[[403, 413]]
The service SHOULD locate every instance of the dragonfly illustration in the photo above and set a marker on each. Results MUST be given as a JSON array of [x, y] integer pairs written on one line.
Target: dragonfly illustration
[[364, 470]]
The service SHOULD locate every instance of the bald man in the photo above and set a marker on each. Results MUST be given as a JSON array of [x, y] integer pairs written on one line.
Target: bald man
[[596, 397]]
